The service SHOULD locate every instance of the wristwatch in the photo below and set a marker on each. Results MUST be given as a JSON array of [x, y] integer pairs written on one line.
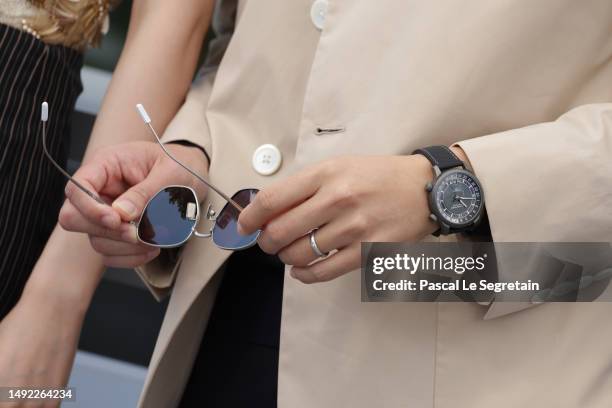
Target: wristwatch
[[456, 200]]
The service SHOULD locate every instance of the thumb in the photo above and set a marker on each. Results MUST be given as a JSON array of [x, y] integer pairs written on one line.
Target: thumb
[[131, 203]]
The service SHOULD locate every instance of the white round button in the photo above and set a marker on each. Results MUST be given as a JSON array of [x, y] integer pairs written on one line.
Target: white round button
[[267, 159], [318, 12]]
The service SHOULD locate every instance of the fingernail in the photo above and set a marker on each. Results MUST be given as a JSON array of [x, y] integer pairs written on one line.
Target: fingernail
[[125, 206], [109, 221]]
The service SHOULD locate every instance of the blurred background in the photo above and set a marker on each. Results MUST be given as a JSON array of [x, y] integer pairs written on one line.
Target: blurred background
[[123, 321]]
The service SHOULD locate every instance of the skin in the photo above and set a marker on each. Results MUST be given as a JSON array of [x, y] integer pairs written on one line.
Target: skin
[[39, 336], [350, 200], [127, 175]]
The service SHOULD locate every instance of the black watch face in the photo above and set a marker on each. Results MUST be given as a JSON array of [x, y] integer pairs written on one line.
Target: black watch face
[[457, 198]]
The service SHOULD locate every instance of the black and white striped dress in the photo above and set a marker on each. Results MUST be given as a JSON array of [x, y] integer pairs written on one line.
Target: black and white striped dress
[[31, 190]]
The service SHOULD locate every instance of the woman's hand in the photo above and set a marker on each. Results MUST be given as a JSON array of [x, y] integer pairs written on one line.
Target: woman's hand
[[126, 175], [350, 200]]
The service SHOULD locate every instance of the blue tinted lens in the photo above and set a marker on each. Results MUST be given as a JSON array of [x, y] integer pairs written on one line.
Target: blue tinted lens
[[169, 218], [225, 232]]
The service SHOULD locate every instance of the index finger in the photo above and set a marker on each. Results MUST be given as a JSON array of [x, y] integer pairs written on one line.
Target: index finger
[[93, 178], [276, 199]]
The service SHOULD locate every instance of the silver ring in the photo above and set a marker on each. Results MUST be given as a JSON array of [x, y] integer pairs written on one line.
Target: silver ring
[[315, 247]]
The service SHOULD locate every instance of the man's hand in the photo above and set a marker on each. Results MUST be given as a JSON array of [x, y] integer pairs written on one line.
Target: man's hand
[[127, 176], [351, 200]]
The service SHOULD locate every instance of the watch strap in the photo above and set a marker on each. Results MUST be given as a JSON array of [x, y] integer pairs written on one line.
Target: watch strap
[[441, 156]]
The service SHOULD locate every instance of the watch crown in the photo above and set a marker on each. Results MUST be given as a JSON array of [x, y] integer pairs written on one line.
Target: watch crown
[[429, 187], [433, 217]]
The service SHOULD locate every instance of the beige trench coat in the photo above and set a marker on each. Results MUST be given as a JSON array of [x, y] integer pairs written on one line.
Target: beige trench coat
[[524, 87]]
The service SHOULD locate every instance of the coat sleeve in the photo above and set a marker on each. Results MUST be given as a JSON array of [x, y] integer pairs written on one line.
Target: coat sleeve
[[550, 182], [190, 125]]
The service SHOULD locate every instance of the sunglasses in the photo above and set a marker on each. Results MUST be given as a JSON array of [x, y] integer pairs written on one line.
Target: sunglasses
[[171, 216]]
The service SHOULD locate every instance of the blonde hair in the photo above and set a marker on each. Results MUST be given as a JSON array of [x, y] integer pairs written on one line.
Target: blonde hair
[[74, 23]]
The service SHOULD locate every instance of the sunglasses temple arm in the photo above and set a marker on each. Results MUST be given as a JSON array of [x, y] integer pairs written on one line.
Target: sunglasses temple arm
[[147, 121], [61, 170]]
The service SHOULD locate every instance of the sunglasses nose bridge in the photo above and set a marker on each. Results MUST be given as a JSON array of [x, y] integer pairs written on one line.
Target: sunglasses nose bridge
[[203, 234], [211, 215]]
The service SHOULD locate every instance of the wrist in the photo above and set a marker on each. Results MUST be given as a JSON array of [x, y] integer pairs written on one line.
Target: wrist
[[187, 143], [423, 172], [194, 158], [192, 153]]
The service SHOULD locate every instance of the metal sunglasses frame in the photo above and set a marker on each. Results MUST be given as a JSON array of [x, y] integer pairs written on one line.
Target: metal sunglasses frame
[[210, 212], [193, 231], [211, 215]]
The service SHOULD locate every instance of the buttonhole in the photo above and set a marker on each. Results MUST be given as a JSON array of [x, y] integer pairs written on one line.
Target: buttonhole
[[329, 130]]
